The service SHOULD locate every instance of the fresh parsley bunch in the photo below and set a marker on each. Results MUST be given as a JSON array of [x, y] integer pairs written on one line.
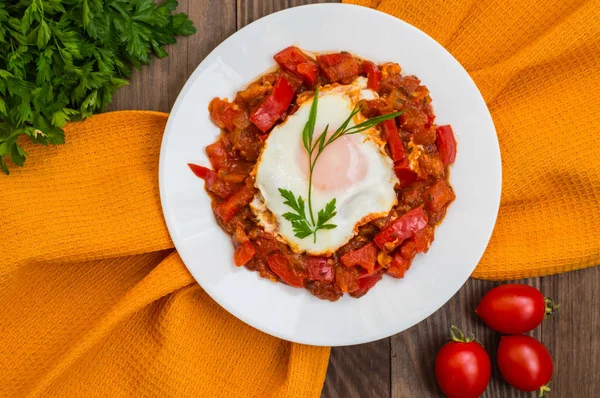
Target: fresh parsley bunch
[[63, 60]]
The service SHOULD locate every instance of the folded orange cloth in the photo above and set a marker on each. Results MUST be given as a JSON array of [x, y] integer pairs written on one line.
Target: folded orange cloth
[[93, 299], [537, 65]]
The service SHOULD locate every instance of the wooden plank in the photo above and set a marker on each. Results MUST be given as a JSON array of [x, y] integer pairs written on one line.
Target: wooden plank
[[156, 86], [359, 371], [572, 336], [251, 10]]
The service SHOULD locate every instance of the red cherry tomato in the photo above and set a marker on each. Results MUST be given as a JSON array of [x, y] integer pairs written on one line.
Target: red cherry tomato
[[514, 308], [462, 367], [525, 363]]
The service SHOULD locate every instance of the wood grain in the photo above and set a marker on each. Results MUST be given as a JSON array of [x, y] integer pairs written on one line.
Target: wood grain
[[400, 366]]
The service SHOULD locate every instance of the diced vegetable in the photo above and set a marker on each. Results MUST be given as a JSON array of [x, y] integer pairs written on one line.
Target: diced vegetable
[[398, 266], [274, 105], [227, 209], [318, 269], [339, 67], [423, 239], [295, 61], [408, 250], [346, 279], [365, 257], [243, 253], [309, 71], [289, 58], [413, 119], [405, 174], [205, 173], [446, 144], [227, 115], [281, 266], [217, 153], [400, 229], [365, 283], [393, 139], [373, 75], [438, 195]]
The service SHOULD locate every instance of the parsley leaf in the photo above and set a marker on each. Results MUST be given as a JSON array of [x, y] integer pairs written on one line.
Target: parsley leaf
[[62, 60]]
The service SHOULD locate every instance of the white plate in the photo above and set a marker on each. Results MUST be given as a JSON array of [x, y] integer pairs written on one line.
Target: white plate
[[392, 305]]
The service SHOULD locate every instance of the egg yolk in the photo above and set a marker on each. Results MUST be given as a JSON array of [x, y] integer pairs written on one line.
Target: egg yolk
[[340, 165]]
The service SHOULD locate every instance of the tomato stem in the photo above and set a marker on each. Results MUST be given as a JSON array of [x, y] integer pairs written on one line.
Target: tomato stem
[[544, 391], [551, 307], [458, 336]]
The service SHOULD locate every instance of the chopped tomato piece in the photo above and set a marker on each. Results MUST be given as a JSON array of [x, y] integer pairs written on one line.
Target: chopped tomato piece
[[365, 257], [425, 136], [227, 209], [289, 58], [295, 61], [446, 144], [319, 269], [346, 279], [405, 174], [438, 195], [398, 266], [281, 266], [309, 71], [373, 75], [365, 283], [243, 253], [339, 67], [393, 139], [400, 229], [413, 119], [227, 115], [217, 153], [274, 105]]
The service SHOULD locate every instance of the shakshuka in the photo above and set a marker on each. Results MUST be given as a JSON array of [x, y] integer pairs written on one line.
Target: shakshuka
[[329, 172]]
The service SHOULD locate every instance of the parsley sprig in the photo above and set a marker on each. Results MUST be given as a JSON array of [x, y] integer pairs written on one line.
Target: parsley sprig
[[62, 60], [302, 224]]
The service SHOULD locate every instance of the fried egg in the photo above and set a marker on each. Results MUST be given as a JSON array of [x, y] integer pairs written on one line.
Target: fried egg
[[354, 169]]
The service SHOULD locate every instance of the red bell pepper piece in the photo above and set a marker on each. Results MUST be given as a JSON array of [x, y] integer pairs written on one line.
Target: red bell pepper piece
[[438, 195], [365, 257], [405, 174], [446, 144], [373, 75], [400, 229], [339, 67], [214, 184], [423, 239], [274, 105], [227, 209], [365, 283], [208, 175], [243, 253], [280, 265], [393, 139], [318, 269]]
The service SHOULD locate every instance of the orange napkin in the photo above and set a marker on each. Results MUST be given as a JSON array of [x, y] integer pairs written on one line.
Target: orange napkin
[[537, 64], [93, 299]]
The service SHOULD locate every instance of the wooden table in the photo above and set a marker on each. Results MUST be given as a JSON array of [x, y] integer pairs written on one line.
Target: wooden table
[[402, 365]]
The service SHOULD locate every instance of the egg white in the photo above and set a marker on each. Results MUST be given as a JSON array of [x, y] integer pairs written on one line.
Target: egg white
[[365, 200]]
